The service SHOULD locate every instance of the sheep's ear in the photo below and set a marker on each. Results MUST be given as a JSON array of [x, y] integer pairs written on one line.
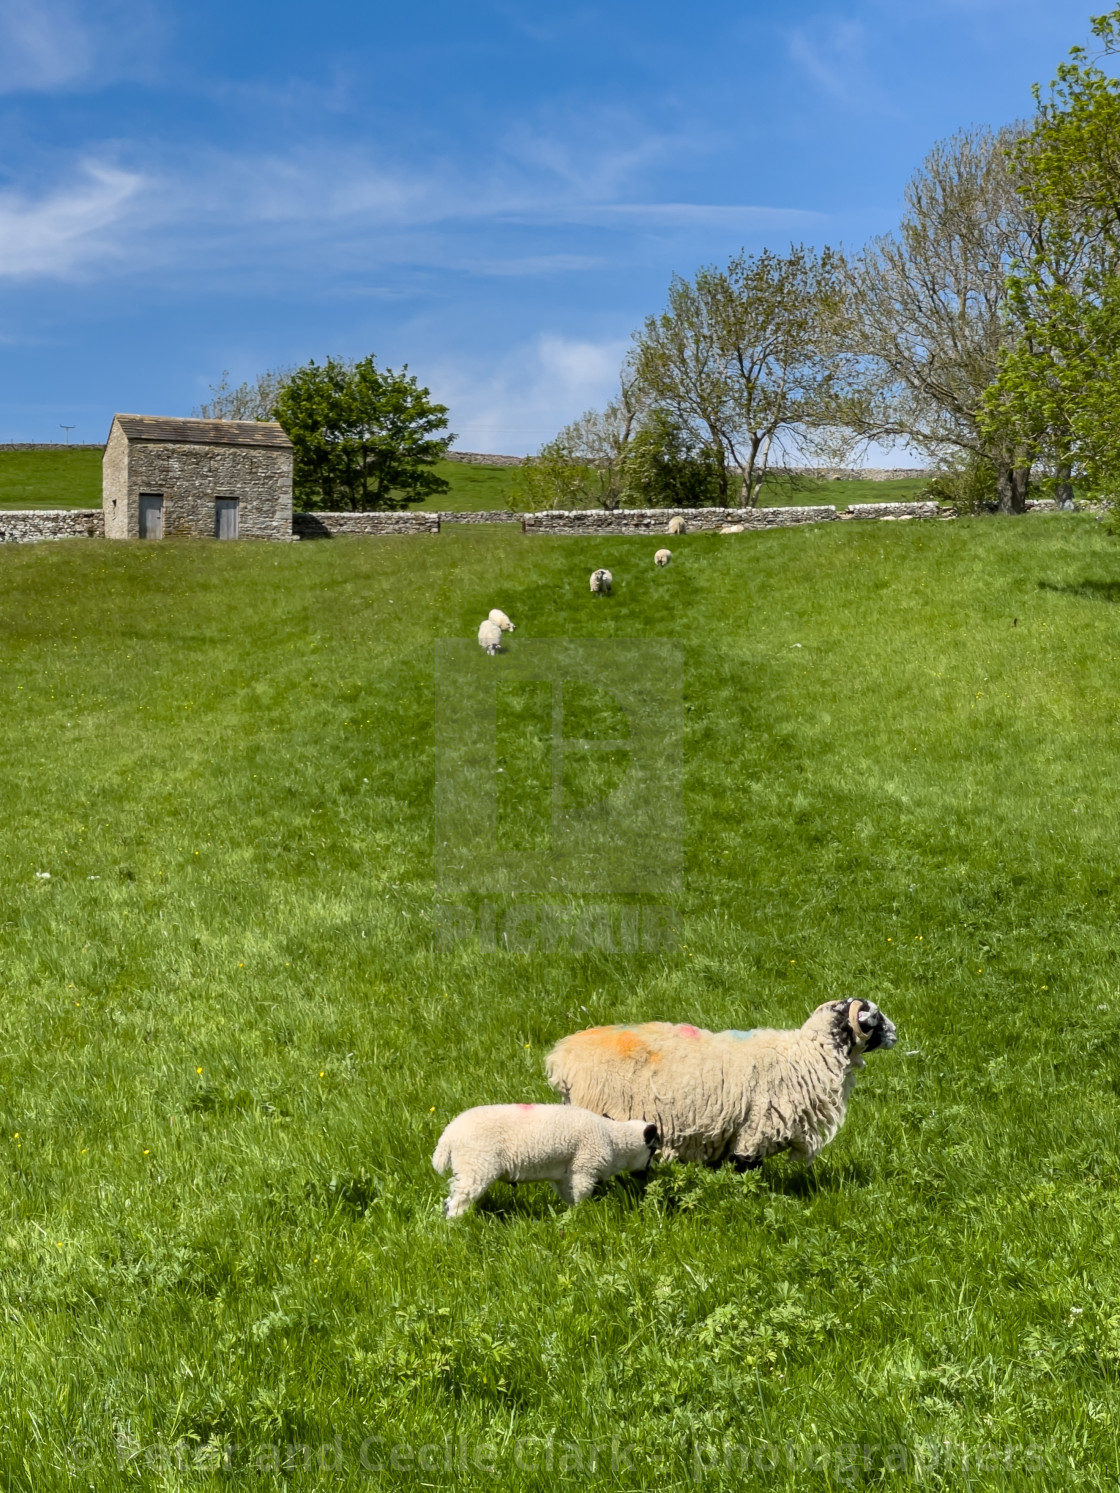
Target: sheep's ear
[[650, 1135]]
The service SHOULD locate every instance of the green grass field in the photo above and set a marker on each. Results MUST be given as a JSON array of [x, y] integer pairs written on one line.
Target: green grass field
[[231, 1037], [72, 479]]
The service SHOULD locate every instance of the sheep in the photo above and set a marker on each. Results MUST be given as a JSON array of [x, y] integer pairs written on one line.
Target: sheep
[[566, 1146], [662, 557], [502, 620], [489, 637], [738, 1096], [676, 525], [601, 582]]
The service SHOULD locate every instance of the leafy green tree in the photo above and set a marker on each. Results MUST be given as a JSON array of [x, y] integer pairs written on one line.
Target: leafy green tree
[[667, 466], [363, 437], [1058, 388]]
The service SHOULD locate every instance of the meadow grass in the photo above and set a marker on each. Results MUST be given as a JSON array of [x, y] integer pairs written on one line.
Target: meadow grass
[[72, 479], [231, 1036], [50, 479]]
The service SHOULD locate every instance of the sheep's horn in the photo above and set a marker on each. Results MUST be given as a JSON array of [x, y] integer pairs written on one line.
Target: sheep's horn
[[853, 1021]]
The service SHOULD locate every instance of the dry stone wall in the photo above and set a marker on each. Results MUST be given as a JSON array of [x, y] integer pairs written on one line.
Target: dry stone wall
[[483, 516], [656, 520], [29, 526], [891, 510], [327, 525]]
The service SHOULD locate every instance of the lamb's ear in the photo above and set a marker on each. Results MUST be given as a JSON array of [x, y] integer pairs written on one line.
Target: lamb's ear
[[650, 1136]]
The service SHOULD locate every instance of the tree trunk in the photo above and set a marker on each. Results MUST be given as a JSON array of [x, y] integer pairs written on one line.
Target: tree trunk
[[1063, 487], [1004, 491], [1020, 486]]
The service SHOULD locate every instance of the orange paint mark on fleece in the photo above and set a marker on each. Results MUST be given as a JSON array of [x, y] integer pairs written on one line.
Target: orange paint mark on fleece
[[617, 1040]]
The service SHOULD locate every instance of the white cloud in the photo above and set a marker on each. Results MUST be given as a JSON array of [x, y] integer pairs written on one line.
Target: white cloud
[[64, 232], [47, 45], [535, 389]]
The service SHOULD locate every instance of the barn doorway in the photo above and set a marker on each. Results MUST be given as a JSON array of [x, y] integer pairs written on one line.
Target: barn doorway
[[225, 518], [151, 515]]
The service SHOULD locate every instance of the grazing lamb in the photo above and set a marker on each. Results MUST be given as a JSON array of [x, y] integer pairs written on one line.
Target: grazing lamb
[[719, 1096], [663, 557], [568, 1147], [676, 525], [502, 620], [490, 637], [601, 582]]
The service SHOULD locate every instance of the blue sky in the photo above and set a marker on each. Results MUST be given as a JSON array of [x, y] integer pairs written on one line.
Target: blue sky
[[496, 193]]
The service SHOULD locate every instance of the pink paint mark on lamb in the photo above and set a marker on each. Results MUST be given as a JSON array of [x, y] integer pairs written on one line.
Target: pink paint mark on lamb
[[526, 1106], [688, 1031]]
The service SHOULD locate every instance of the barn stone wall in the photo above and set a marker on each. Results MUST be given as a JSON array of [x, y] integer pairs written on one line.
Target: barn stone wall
[[190, 476]]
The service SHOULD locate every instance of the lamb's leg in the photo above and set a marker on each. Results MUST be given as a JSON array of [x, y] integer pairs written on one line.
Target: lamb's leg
[[581, 1185], [466, 1188]]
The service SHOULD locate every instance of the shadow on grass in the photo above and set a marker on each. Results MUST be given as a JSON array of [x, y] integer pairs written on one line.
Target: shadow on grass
[[804, 1181], [537, 1200], [1088, 590]]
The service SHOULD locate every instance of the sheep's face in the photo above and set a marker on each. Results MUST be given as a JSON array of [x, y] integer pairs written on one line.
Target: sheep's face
[[636, 1140], [857, 1027], [875, 1029]]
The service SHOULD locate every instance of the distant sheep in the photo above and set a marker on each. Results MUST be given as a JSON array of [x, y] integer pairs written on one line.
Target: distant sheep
[[569, 1148], [502, 620], [601, 582], [663, 557], [490, 637], [719, 1096], [676, 525]]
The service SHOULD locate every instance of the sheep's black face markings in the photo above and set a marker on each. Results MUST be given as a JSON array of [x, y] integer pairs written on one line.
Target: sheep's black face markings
[[877, 1030], [651, 1137]]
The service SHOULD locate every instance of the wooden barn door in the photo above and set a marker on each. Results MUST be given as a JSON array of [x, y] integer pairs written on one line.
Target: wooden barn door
[[225, 518], [151, 515]]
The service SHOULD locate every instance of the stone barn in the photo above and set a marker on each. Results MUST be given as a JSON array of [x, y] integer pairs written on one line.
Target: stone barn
[[200, 479]]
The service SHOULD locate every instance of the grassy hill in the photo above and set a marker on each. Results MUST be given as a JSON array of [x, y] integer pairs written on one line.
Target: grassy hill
[[231, 1035], [72, 479]]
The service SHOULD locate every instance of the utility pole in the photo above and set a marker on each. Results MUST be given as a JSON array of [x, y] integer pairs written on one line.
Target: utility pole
[[67, 429]]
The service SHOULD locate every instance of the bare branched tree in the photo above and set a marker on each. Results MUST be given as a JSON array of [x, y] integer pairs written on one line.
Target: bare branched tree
[[249, 401], [750, 358], [932, 307], [584, 465]]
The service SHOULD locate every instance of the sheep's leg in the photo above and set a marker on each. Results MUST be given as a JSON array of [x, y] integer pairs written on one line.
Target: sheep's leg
[[746, 1163]]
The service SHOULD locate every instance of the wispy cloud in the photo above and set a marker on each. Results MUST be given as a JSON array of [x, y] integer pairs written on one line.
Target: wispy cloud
[[533, 391], [68, 229], [46, 45], [834, 56]]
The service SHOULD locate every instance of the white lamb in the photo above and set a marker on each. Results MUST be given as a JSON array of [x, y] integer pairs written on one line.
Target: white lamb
[[663, 557], [490, 637], [502, 620], [676, 525], [719, 1096], [601, 582], [568, 1147]]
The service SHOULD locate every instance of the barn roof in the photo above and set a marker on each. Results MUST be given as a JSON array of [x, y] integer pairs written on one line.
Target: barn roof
[[202, 432]]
